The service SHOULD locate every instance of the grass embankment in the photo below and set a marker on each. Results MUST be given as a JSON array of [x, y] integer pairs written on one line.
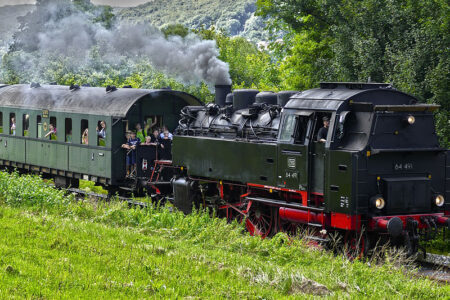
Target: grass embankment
[[52, 246]]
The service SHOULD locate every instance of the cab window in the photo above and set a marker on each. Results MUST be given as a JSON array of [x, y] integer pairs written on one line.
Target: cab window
[[295, 127]]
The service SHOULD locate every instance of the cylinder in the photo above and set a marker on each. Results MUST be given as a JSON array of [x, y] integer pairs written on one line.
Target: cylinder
[[300, 216], [284, 96], [221, 93], [266, 97], [243, 98]]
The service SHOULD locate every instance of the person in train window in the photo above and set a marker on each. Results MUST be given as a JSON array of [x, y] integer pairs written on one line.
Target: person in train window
[[140, 133], [131, 144], [155, 137], [166, 145], [148, 140], [13, 126], [51, 134], [102, 131], [85, 137], [323, 132], [164, 129], [69, 137]]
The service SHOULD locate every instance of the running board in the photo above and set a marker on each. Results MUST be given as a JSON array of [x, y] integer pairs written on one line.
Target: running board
[[284, 204]]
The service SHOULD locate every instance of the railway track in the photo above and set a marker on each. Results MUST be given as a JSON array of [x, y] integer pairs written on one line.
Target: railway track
[[82, 194], [435, 267]]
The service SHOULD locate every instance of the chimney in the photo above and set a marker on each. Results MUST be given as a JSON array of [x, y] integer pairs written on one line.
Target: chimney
[[221, 94]]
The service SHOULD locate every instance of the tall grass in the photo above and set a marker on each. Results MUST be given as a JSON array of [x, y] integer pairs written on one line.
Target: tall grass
[[52, 246]]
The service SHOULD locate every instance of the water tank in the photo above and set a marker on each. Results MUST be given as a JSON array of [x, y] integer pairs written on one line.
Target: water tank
[[266, 97], [283, 97], [243, 98]]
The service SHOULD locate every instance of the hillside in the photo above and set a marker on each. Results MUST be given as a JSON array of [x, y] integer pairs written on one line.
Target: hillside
[[8, 20], [236, 17]]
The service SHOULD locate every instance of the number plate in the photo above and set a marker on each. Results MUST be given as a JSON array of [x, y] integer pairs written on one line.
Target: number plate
[[403, 166]]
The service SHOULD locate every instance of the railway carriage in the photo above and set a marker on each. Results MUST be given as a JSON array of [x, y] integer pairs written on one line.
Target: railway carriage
[[64, 155]]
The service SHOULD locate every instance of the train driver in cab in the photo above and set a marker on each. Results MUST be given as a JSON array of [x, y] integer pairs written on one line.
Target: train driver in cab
[[322, 134]]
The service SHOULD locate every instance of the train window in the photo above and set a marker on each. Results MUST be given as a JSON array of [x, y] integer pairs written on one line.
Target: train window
[[152, 122], [68, 129], [340, 125], [101, 133], [51, 133], [39, 126], [321, 118], [26, 124], [301, 129], [12, 123], [84, 132], [1, 122], [287, 130]]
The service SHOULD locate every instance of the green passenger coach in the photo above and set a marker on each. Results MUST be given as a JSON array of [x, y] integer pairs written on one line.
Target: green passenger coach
[[52, 129]]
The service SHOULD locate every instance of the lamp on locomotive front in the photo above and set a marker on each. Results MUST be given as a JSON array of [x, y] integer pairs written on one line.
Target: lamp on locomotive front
[[439, 200], [378, 202]]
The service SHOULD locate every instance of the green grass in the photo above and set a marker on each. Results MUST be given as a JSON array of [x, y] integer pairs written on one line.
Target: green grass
[[54, 247]]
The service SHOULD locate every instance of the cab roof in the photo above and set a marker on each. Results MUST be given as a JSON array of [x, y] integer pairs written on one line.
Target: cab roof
[[333, 96]]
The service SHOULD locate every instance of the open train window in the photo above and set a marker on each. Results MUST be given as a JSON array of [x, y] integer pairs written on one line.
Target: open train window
[[322, 120], [12, 123], [85, 132], [51, 130], [68, 129], [101, 133], [39, 126], [26, 124], [152, 122], [1, 122], [295, 127]]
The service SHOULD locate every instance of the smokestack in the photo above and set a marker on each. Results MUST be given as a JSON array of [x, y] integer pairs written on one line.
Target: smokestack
[[222, 91]]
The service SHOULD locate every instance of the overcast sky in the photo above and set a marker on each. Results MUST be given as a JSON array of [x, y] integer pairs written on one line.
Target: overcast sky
[[108, 2]]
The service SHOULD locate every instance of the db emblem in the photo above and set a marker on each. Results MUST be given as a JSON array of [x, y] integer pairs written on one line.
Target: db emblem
[[291, 163], [144, 164]]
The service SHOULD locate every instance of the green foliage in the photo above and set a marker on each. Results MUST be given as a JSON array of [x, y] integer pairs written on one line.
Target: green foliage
[[235, 17], [175, 29], [405, 43], [250, 67], [105, 250]]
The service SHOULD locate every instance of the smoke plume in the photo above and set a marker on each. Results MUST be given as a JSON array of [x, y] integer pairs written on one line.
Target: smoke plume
[[72, 36]]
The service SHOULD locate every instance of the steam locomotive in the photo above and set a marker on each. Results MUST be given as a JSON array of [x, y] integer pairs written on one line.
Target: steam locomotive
[[256, 156]]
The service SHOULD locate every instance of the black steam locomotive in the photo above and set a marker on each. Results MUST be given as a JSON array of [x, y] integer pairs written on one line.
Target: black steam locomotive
[[376, 171]]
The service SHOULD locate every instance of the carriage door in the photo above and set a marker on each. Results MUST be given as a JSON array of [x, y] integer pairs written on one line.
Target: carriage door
[[317, 155], [293, 151]]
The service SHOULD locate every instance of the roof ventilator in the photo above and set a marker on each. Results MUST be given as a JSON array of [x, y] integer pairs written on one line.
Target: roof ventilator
[[35, 85], [74, 87], [111, 88]]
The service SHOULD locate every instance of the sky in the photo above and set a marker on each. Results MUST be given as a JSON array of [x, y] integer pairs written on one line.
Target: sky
[[108, 2]]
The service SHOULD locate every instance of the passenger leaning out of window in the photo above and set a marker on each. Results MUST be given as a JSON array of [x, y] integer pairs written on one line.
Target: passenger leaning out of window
[[52, 130], [101, 132], [323, 132], [85, 136], [13, 126]]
